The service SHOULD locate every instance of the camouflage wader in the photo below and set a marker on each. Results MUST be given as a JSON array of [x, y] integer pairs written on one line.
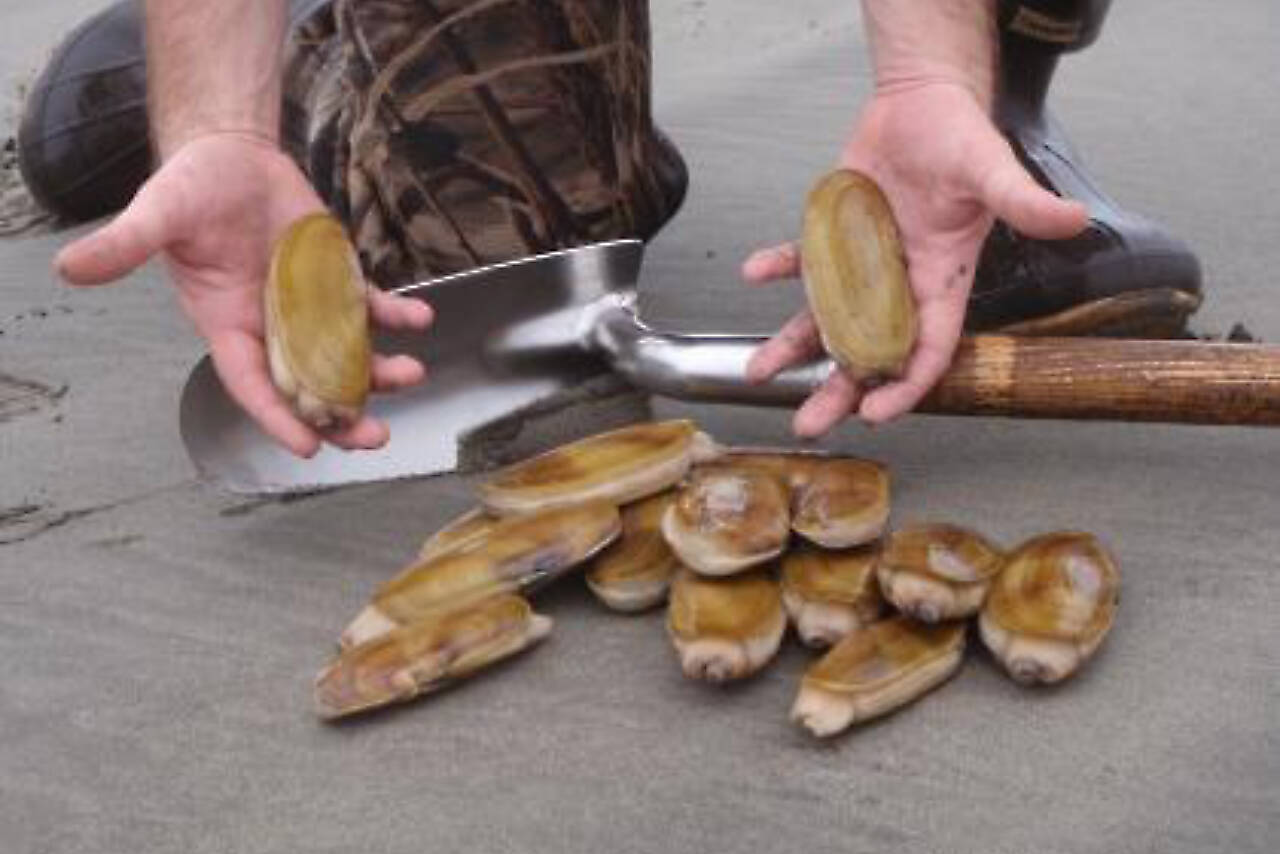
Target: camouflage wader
[[452, 133]]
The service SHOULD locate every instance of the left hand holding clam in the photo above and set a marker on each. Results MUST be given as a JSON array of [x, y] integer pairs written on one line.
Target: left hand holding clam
[[214, 210], [947, 173]]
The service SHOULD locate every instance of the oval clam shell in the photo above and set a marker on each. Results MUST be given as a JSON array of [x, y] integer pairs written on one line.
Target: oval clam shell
[[1051, 606], [935, 572], [725, 628], [875, 670], [855, 276], [635, 571], [317, 323], [726, 519], [619, 466], [830, 593], [518, 554], [841, 502], [423, 656]]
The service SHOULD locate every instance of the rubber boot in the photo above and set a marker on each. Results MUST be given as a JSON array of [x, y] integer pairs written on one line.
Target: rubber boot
[[83, 143], [1124, 275]]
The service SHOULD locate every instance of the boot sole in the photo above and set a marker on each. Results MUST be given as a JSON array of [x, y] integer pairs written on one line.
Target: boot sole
[[1154, 313]]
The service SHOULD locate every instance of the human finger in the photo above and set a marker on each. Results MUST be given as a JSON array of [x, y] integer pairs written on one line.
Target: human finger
[[395, 311], [771, 264], [140, 231], [392, 373], [940, 325], [827, 406], [366, 434], [1011, 194], [797, 341], [241, 364]]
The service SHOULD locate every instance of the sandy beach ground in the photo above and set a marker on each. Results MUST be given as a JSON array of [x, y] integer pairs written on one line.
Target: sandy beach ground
[[159, 637]]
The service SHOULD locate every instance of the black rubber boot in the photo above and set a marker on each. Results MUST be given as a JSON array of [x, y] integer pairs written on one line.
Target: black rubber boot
[[1124, 275], [83, 144]]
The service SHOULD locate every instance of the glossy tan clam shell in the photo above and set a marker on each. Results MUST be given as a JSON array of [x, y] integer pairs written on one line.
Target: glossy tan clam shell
[[618, 466], [841, 502], [466, 530], [725, 628], [726, 519], [425, 655], [830, 593], [1051, 606], [317, 323], [634, 572], [936, 572], [518, 554], [855, 276], [875, 670]]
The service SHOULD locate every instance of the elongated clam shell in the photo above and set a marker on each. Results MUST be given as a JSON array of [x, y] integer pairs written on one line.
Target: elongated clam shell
[[855, 276], [519, 554], [635, 571], [840, 502], [937, 572], [468, 529], [618, 466], [830, 593], [1051, 606], [725, 628], [726, 519], [875, 670], [317, 323], [423, 656]]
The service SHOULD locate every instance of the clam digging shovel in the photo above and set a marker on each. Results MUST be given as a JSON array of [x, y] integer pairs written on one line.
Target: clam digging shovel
[[510, 336]]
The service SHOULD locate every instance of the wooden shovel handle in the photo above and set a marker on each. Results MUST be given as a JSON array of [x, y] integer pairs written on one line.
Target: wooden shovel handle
[[1190, 382]]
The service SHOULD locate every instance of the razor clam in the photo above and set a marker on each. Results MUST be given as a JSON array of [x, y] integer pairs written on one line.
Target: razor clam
[[855, 276], [469, 528], [317, 323], [618, 466], [725, 628], [728, 518], [423, 656], [937, 572], [1051, 606], [635, 572], [874, 670], [830, 593], [518, 554]]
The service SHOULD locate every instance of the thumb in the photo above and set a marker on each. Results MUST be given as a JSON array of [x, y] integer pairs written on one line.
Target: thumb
[[1010, 193], [119, 247]]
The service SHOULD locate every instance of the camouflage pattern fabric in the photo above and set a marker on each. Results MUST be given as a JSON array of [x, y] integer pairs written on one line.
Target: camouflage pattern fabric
[[453, 133]]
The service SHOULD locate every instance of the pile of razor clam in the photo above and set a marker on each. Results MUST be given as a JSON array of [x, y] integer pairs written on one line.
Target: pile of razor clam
[[737, 544]]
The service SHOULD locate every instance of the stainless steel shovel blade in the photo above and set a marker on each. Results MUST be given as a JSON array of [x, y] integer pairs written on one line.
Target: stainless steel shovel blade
[[464, 390]]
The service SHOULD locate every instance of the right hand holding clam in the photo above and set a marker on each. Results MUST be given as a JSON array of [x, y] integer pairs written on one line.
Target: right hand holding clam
[[214, 209]]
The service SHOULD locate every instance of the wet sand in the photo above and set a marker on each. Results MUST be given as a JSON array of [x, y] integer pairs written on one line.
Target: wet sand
[[159, 637]]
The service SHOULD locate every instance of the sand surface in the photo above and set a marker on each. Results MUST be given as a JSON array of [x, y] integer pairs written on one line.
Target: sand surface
[[159, 637]]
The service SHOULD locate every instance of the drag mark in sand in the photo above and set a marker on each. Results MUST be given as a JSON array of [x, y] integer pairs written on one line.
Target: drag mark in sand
[[20, 397]]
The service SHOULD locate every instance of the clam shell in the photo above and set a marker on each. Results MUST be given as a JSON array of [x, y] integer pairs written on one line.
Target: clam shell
[[317, 323], [855, 276], [635, 572], [423, 656], [618, 466], [1051, 606], [725, 628], [828, 593], [875, 670], [518, 554], [937, 572], [728, 518], [468, 529], [840, 502]]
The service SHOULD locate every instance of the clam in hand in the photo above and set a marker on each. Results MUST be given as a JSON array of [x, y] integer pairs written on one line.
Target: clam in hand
[[855, 276], [317, 324], [875, 670], [635, 571], [830, 593], [424, 656], [1051, 606], [517, 555], [619, 466], [728, 518], [937, 572], [725, 628]]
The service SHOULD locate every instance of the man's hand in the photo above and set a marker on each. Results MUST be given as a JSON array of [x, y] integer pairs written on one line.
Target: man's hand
[[214, 210]]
